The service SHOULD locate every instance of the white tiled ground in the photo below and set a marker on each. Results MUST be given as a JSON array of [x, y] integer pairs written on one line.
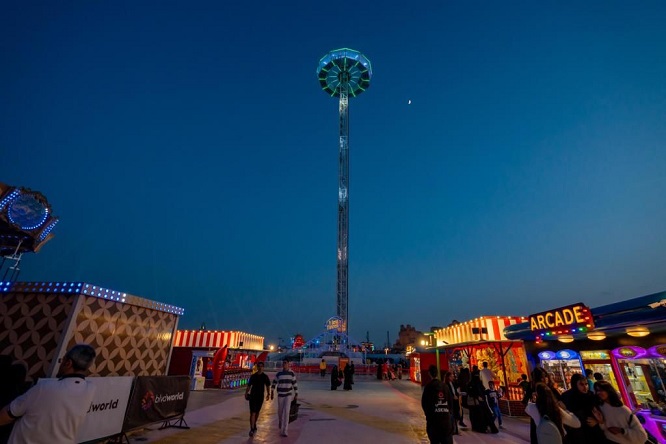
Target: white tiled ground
[[373, 412]]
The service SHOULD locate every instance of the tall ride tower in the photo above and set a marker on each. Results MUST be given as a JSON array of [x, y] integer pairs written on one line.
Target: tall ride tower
[[343, 73]]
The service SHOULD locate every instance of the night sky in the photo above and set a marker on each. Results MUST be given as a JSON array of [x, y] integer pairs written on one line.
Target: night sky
[[192, 157]]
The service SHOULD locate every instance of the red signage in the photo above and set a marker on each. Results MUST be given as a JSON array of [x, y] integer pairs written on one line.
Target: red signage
[[563, 320]]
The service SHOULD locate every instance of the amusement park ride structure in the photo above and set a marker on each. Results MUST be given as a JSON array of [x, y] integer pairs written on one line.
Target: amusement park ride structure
[[26, 222], [343, 73]]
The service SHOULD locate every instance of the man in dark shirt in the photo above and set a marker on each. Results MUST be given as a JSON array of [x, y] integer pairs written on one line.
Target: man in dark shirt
[[255, 394], [436, 401]]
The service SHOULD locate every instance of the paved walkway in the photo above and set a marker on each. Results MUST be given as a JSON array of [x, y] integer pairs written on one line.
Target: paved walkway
[[373, 412]]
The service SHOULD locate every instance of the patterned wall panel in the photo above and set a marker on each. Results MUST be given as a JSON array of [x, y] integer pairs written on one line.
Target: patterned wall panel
[[32, 326], [130, 340]]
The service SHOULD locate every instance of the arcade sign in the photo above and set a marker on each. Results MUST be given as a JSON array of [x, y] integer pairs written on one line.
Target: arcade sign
[[570, 319]]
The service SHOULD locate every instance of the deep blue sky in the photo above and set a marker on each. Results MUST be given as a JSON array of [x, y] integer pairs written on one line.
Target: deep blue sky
[[192, 157]]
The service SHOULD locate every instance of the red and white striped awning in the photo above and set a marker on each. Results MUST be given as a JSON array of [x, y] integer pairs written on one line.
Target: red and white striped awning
[[218, 339], [473, 330]]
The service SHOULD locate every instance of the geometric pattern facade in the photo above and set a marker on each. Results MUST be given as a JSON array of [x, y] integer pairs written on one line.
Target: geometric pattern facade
[[130, 340], [32, 326]]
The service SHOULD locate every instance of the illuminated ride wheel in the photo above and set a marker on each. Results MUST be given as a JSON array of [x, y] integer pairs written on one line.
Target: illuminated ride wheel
[[344, 66]]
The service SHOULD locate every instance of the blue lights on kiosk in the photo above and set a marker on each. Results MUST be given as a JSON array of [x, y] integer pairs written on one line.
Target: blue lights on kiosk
[[561, 364], [565, 354]]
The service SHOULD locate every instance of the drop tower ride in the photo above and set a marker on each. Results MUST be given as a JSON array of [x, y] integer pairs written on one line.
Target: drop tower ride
[[344, 73]]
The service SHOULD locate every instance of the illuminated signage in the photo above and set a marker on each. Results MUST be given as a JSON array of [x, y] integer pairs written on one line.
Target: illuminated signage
[[629, 352], [335, 324], [565, 320], [658, 351]]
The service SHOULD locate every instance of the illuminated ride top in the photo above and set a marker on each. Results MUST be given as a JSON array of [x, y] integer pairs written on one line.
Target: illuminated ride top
[[26, 222]]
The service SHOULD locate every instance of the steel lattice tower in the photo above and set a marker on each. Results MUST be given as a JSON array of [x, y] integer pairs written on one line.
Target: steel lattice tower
[[343, 73]]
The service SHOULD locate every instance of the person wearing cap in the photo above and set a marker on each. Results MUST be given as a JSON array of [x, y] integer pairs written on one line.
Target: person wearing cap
[[52, 411]]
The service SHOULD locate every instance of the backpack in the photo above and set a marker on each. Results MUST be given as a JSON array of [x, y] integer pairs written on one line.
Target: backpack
[[547, 432]]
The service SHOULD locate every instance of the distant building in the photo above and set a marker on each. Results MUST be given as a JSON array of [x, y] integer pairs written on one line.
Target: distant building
[[407, 336]]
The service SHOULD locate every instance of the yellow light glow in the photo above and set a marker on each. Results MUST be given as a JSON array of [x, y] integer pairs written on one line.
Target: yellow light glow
[[565, 338], [638, 331], [597, 335]]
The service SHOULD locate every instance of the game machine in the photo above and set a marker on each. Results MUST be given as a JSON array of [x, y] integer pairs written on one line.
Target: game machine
[[643, 374], [599, 361], [561, 365]]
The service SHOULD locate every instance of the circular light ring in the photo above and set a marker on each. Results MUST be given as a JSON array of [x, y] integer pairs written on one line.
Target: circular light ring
[[27, 212], [629, 352], [567, 354], [596, 335], [565, 338], [546, 355], [638, 331], [344, 66]]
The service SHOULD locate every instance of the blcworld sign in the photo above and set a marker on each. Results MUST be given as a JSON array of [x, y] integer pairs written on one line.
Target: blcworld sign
[[563, 320]]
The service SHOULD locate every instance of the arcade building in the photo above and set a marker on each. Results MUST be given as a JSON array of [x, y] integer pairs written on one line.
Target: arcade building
[[625, 342]]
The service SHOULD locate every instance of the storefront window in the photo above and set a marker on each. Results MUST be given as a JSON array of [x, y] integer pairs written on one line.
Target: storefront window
[[646, 377]]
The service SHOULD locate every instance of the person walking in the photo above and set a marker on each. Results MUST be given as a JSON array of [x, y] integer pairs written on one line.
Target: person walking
[[322, 368], [335, 378], [347, 371], [463, 381], [287, 389], [52, 411], [435, 402], [455, 404], [255, 394]]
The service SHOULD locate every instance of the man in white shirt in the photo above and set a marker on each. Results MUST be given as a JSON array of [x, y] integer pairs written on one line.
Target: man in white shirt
[[53, 410], [486, 375]]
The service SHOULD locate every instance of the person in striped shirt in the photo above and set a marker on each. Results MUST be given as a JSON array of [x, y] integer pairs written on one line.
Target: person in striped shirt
[[287, 387]]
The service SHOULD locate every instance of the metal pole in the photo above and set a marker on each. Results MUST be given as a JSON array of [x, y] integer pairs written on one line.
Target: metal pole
[[343, 204]]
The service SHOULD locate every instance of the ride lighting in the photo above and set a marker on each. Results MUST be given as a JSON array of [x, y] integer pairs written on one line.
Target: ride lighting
[[638, 331], [596, 335], [565, 338]]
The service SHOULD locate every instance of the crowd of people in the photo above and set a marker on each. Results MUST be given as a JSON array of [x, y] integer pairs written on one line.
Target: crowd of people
[[591, 412]]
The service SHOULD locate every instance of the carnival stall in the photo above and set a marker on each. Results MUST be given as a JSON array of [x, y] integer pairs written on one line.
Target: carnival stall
[[625, 342], [470, 343], [216, 359], [41, 320]]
